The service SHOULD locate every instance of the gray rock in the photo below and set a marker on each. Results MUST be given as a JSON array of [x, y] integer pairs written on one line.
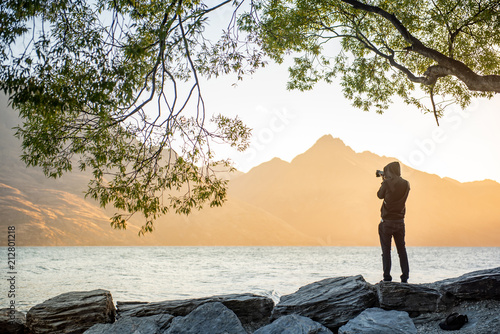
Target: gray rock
[[331, 302], [72, 312], [253, 311], [213, 318], [12, 321], [155, 324], [294, 324], [378, 321], [484, 318], [478, 285], [412, 298]]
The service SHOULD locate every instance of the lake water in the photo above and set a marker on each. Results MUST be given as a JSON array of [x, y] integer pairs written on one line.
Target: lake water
[[163, 273]]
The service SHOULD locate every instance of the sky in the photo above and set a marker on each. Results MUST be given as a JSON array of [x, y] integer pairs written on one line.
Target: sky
[[286, 123]]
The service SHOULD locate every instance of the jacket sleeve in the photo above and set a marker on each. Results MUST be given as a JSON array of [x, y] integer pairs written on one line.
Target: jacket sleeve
[[381, 191]]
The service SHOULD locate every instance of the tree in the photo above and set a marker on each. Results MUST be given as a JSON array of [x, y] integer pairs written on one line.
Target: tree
[[450, 48], [115, 84], [112, 86]]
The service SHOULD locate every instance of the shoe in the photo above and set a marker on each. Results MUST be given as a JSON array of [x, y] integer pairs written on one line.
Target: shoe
[[454, 322]]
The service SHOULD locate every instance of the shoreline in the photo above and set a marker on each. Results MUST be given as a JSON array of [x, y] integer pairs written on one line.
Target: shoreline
[[477, 293], [194, 272]]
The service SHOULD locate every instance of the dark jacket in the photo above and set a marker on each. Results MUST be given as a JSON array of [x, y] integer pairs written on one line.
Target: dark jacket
[[394, 191]]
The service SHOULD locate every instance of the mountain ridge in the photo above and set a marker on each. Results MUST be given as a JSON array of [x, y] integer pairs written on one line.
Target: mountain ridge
[[324, 196], [434, 200]]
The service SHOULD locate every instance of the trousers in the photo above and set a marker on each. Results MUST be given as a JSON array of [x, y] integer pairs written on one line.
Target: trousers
[[387, 230]]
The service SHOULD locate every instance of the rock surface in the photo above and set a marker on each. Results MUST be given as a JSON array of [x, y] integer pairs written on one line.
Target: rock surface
[[294, 324], [252, 310], [378, 321], [412, 298], [331, 302], [155, 324], [342, 304], [477, 285], [72, 312], [12, 321], [213, 318], [484, 318]]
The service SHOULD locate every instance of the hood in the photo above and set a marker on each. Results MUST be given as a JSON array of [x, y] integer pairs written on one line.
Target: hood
[[392, 170]]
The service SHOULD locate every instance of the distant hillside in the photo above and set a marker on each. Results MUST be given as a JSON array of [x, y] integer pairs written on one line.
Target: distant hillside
[[325, 196], [54, 212], [47, 211], [329, 193]]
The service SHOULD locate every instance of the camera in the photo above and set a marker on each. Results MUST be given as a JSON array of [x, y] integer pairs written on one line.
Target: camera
[[379, 173]]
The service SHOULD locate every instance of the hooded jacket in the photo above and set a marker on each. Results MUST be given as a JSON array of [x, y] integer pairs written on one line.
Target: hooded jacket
[[394, 191]]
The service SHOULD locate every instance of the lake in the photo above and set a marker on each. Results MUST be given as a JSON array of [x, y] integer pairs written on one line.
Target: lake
[[163, 273]]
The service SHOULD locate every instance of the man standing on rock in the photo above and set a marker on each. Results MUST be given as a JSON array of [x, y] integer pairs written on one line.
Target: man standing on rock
[[394, 191]]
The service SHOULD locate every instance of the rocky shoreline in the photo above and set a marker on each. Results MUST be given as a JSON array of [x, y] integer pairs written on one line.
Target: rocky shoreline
[[342, 305]]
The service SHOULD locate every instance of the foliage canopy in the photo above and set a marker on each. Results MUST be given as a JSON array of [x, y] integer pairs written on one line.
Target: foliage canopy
[[450, 49], [113, 86]]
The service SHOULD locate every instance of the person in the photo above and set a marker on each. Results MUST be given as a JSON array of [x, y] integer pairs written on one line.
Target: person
[[394, 191]]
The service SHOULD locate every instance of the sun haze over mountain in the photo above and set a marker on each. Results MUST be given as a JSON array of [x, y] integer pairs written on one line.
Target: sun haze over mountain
[[324, 196], [328, 193]]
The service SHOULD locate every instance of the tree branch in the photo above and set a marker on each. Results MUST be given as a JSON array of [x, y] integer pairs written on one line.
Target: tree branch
[[446, 65], [434, 105]]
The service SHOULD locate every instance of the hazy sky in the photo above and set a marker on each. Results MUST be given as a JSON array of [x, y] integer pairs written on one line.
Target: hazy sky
[[286, 123]]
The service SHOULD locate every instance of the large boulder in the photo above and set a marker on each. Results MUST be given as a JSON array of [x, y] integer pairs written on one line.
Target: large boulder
[[155, 324], [331, 302], [12, 321], [71, 312], [294, 324], [253, 311], [412, 298], [477, 285], [378, 321], [213, 318]]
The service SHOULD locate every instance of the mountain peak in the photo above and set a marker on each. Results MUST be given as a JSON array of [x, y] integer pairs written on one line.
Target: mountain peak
[[328, 144], [329, 139], [325, 152]]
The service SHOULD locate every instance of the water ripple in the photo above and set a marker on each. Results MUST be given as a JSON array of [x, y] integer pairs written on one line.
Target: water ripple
[[162, 273]]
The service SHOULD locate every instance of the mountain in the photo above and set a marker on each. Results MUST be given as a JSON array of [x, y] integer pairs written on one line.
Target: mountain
[[329, 193], [48, 212], [321, 192], [325, 196]]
